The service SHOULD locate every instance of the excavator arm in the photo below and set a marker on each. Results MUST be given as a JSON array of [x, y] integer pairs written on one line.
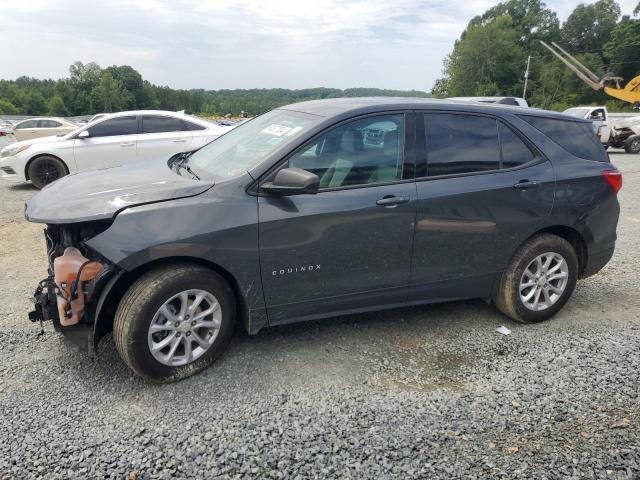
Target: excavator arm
[[611, 85]]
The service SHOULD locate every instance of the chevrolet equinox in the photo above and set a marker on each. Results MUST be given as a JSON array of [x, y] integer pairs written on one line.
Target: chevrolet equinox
[[326, 208]]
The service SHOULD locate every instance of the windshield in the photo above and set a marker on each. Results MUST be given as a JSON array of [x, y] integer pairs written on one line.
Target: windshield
[[248, 144], [577, 112]]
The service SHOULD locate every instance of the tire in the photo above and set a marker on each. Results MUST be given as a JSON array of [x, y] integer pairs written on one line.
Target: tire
[[507, 296], [46, 169], [632, 144], [140, 307]]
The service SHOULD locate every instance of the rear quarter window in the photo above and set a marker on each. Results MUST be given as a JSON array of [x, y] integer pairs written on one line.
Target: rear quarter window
[[578, 138]]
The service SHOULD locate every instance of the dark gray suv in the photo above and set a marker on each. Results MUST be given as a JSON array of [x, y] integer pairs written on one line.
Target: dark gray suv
[[324, 208]]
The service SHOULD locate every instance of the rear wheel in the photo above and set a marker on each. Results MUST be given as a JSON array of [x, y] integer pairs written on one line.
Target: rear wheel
[[632, 144], [44, 170], [174, 321], [539, 279]]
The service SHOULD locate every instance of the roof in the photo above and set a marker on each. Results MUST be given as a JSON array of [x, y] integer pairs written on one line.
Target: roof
[[361, 105]]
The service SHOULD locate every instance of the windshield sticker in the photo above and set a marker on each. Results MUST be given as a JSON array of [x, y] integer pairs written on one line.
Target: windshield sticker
[[277, 130]]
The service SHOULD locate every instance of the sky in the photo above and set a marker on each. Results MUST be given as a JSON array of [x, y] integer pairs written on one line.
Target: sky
[[216, 44]]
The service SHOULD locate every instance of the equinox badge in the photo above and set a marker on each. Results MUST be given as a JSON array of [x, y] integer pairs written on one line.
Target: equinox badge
[[290, 270]]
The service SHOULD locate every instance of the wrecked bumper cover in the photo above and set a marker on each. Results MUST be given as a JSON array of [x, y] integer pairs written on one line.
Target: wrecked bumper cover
[[82, 334]]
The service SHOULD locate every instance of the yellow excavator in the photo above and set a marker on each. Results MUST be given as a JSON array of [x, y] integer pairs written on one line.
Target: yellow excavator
[[611, 85]]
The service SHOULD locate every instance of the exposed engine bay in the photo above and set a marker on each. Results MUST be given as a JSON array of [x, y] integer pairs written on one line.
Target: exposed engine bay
[[67, 296]]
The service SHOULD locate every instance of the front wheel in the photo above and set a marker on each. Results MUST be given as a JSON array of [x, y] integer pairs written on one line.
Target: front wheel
[[174, 321], [46, 169], [539, 279]]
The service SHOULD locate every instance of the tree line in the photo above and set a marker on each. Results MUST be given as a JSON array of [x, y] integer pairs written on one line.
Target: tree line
[[490, 56], [90, 89]]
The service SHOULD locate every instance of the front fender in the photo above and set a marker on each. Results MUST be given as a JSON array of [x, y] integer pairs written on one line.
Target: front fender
[[221, 233]]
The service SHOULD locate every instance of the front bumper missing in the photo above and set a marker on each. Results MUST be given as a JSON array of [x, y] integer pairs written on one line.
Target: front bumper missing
[[45, 302], [46, 309]]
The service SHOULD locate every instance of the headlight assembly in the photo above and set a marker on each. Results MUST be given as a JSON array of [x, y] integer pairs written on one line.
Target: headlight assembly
[[13, 150]]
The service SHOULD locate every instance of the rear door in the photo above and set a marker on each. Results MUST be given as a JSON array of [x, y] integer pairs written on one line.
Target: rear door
[[347, 247], [111, 142], [50, 127], [482, 190], [161, 137]]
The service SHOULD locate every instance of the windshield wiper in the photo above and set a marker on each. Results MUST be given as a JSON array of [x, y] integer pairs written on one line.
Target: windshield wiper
[[182, 163]]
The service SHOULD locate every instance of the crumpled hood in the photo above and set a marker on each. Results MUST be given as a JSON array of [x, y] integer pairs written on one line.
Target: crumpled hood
[[99, 194]]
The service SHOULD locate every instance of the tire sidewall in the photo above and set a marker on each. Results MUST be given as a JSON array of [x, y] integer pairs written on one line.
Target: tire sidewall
[[137, 341], [34, 163], [555, 245], [633, 144]]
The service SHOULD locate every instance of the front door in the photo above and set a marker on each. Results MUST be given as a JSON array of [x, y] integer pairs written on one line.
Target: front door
[[348, 247], [484, 191], [111, 142]]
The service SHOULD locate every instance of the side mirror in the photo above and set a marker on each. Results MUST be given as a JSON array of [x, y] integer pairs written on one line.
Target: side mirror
[[293, 181], [83, 134]]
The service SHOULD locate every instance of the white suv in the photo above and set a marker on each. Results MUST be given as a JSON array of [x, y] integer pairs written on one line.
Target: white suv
[[116, 139]]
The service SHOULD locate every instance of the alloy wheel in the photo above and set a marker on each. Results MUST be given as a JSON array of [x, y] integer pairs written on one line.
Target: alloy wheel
[[47, 172], [543, 281], [184, 327]]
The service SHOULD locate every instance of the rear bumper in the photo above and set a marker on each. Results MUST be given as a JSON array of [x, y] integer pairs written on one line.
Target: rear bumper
[[597, 261]]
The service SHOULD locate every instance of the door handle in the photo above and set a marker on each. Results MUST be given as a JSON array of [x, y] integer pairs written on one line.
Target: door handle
[[179, 140], [127, 144], [391, 201], [526, 184]]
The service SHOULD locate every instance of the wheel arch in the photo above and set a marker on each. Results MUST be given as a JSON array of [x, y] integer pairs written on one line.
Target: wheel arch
[[40, 155], [112, 294], [574, 237]]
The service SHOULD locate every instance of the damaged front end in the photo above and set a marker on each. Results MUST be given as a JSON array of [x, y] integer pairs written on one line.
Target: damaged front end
[[69, 296]]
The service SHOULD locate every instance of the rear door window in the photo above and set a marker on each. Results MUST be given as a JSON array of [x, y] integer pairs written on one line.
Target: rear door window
[[48, 124], [156, 124], [514, 151], [578, 138], [459, 143], [192, 126], [115, 126]]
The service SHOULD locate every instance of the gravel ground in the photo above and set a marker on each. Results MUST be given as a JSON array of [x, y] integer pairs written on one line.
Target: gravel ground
[[413, 393]]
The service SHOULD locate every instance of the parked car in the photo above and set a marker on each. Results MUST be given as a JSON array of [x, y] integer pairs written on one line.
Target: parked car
[[613, 131], [116, 139], [6, 128], [6, 133], [515, 101], [42, 127], [325, 208]]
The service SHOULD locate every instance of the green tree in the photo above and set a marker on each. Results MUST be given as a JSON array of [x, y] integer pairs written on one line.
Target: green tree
[[33, 103], [55, 106], [590, 26], [7, 108], [109, 95], [487, 59], [623, 47], [132, 82], [531, 19], [83, 80]]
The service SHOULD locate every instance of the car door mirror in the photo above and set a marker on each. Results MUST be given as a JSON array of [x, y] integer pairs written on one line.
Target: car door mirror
[[83, 134], [293, 181]]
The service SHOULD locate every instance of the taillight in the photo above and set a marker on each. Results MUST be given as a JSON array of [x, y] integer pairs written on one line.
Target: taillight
[[613, 178], [3, 134]]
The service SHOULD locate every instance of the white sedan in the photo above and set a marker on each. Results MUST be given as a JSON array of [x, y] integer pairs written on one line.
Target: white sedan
[[116, 139]]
